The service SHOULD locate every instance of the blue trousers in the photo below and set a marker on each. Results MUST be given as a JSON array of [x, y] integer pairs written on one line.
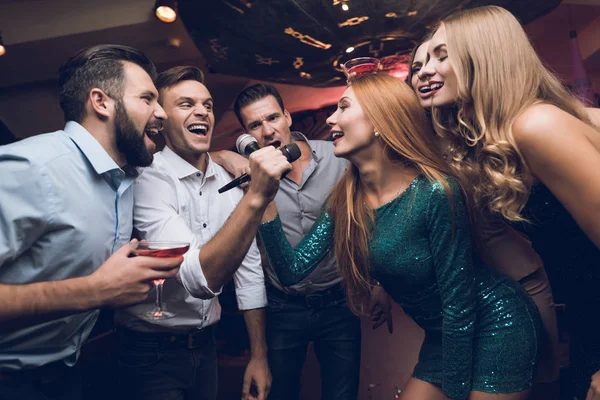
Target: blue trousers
[[167, 368], [335, 332]]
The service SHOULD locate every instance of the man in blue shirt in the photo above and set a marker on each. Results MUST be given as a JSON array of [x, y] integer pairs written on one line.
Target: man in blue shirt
[[66, 203]]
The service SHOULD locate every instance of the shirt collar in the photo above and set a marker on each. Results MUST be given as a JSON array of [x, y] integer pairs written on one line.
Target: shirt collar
[[182, 168], [299, 136], [91, 148]]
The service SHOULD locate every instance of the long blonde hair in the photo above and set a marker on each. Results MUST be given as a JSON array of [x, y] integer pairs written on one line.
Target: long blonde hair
[[499, 75], [395, 112]]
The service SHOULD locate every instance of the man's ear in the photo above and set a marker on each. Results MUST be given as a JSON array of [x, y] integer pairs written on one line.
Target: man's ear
[[288, 117], [100, 104]]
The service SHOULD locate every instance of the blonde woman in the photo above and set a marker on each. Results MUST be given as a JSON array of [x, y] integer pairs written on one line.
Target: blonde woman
[[398, 217], [531, 155], [505, 250]]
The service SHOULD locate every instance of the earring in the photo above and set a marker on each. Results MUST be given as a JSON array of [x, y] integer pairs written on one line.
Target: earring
[[376, 134]]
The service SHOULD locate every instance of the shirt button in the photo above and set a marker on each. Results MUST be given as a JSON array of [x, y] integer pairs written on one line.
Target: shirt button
[[200, 193], [205, 317], [204, 225], [198, 174]]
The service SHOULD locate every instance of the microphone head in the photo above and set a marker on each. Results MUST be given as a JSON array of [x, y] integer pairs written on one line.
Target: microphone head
[[246, 144], [291, 152]]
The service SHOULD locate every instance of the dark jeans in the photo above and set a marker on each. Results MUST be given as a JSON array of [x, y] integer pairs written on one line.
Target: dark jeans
[[52, 382], [293, 322], [167, 367]]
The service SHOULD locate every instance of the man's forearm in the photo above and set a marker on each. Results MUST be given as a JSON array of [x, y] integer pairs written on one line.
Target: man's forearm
[[233, 163], [217, 157], [26, 305], [223, 254], [255, 324]]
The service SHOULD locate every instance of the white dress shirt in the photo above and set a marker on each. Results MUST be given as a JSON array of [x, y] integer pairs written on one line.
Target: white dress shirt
[[174, 201]]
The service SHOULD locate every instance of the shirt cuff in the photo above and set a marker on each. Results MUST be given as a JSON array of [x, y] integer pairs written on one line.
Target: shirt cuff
[[192, 277], [251, 297]]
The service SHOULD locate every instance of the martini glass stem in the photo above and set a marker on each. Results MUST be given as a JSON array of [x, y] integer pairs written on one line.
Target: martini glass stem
[[159, 295]]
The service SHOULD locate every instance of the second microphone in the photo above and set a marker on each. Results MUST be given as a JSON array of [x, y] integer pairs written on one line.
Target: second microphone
[[246, 145]]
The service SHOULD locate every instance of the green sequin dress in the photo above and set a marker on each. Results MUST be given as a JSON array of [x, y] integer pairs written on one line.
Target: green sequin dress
[[481, 329]]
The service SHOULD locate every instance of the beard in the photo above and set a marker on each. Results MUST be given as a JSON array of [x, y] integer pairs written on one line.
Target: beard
[[130, 141]]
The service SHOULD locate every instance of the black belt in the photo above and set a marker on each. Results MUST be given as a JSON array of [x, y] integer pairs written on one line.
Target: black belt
[[318, 299], [194, 338]]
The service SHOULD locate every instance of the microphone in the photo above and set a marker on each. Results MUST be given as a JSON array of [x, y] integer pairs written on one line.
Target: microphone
[[246, 145]]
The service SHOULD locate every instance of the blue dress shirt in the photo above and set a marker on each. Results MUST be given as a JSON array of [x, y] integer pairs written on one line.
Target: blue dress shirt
[[65, 207]]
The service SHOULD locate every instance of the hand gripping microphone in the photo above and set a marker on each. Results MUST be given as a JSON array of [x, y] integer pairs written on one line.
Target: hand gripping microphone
[[246, 145]]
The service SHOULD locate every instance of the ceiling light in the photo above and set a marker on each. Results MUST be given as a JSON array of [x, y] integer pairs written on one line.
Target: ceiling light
[[350, 49], [174, 42], [166, 10], [2, 48], [345, 7]]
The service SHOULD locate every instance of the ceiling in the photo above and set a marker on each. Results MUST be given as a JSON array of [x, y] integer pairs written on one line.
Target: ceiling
[[41, 34], [304, 42]]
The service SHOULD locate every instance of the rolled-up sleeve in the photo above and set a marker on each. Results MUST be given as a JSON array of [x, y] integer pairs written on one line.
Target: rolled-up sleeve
[[249, 281], [156, 217]]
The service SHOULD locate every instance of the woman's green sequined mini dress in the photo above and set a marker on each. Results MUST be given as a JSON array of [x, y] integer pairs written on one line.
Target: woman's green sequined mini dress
[[481, 329]]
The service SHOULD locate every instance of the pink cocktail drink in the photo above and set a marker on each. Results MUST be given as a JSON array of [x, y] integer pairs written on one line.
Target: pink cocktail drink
[[148, 248]]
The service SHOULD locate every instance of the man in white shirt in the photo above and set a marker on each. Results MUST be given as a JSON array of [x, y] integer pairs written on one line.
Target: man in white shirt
[[176, 199]]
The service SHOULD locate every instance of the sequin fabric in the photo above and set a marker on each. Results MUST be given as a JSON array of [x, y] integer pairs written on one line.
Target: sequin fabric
[[480, 327], [572, 262]]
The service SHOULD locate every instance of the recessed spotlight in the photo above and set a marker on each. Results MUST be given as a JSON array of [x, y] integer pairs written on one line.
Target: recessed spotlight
[[166, 10], [2, 48]]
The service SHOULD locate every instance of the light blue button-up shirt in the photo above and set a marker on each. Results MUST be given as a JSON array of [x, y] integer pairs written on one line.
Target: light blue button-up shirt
[[65, 207]]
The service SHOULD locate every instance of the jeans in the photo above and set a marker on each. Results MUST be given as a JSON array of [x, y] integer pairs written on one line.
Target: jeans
[[30, 385], [336, 335], [167, 369]]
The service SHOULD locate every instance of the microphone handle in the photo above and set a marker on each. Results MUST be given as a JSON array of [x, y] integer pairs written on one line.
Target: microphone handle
[[236, 182], [291, 157]]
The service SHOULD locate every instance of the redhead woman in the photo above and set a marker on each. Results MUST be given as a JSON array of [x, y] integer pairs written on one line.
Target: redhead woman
[[399, 217]]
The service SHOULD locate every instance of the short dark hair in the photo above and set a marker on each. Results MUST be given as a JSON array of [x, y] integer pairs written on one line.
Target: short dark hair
[[252, 94], [174, 75], [100, 67]]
